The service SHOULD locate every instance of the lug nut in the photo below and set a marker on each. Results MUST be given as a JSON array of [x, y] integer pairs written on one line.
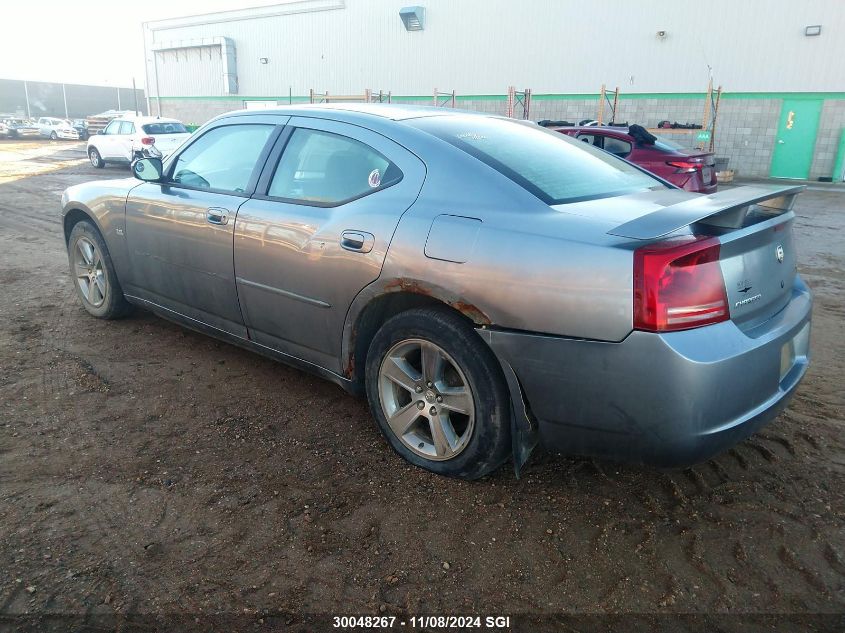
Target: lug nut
[[418, 388], [433, 410], [439, 398], [430, 384], [421, 405]]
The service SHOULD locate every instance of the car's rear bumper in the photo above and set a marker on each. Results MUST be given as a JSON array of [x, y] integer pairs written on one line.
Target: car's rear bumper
[[669, 399]]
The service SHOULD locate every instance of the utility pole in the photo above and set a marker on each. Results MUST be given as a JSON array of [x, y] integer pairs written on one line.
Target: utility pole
[[135, 95], [64, 96], [118, 98], [26, 92]]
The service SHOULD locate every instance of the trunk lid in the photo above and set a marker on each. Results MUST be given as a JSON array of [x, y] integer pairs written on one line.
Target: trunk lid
[[759, 266]]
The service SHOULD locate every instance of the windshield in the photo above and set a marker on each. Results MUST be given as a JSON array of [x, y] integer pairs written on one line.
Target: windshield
[[555, 168], [164, 128]]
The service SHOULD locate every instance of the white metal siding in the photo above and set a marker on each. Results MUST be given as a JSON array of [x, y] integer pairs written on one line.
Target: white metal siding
[[551, 46], [190, 71]]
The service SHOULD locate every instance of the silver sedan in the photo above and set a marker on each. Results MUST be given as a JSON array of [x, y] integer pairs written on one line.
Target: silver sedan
[[488, 285]]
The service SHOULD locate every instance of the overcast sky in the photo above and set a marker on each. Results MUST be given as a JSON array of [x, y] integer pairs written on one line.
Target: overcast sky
[[88, 41]]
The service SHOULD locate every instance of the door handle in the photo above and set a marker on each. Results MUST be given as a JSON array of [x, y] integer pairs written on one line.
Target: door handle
[[357, 241], [217, 215]]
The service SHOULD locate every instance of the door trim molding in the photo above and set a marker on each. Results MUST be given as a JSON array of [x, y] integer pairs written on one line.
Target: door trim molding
[[285, 293]]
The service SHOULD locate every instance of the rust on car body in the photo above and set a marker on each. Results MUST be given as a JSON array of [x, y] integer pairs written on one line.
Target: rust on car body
[[469, 310]]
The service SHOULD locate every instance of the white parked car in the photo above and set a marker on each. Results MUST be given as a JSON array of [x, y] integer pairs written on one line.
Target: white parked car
[[127, 138], [52, 128]]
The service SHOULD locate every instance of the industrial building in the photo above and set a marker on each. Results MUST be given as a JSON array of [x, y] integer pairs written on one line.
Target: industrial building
[[780, 111]]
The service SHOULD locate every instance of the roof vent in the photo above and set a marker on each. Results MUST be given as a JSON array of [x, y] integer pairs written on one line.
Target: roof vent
[[413, 18]]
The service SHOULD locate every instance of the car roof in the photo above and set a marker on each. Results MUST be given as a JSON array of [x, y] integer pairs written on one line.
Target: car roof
[[146, 119], [388, 111]]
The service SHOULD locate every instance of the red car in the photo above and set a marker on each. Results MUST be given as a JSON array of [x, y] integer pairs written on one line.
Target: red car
[[688, 169]]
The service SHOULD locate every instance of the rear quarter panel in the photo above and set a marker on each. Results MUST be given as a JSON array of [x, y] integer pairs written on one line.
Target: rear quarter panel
[[530, 267]]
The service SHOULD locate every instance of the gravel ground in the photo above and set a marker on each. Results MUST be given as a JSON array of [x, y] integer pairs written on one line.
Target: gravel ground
[[146, 469]]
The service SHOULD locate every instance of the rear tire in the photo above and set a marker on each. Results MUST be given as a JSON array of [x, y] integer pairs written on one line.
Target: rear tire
[[447, 408], [53, 136], [95, 158], [93, 273]]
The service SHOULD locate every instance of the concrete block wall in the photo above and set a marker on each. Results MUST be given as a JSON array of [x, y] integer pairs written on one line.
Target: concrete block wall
[[194, 111], [745, 134], [831, 129]]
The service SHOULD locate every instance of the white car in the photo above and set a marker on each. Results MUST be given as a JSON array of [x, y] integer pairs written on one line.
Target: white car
[[54, 129], [127, 138]]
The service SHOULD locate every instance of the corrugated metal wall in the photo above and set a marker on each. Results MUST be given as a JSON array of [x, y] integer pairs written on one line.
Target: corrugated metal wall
[[551, 46]]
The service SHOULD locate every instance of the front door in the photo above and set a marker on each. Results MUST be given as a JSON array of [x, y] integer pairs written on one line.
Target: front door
[[179, 232], [317, 232], [796, 138], [107, 140]]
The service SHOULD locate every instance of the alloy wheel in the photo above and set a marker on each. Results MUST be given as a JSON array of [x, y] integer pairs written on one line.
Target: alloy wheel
[[426, 399], [90, 275]]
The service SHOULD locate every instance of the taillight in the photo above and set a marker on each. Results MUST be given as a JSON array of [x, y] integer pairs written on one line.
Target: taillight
[[678, 285], [684, 167], [148, 140]]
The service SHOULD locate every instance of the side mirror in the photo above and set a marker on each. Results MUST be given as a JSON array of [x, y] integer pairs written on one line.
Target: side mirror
[[103, 131], [148, 169]]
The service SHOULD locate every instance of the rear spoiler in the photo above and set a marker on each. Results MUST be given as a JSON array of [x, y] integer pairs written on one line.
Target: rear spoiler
[[724, 209]]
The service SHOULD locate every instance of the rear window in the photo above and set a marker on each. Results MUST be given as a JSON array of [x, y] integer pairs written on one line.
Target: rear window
[[666, 145], [552, 166], [164, 128]]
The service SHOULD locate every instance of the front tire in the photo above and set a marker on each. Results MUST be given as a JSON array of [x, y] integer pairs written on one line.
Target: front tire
[[53, 136], [438, 394], [95, 158], [93, 273]]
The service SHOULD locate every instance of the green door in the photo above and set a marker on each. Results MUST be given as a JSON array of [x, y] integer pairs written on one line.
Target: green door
[[796, 138]]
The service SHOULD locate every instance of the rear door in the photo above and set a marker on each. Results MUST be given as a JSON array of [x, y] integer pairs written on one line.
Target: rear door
[[317, 232], [179, 232]]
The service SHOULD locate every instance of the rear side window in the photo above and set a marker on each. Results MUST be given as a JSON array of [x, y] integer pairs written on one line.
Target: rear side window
[[617, 146], [127, 127], [326, 169], [223, 158], [164, 128], [552, 166]]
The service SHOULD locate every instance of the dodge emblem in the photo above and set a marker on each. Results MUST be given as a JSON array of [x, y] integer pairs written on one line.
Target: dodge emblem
[[779, 253]]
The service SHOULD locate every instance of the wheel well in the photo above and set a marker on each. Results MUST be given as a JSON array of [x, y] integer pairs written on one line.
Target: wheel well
[[375, 314], [72, 218]]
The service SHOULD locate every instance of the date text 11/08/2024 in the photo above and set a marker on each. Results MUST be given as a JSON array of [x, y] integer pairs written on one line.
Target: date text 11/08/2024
[[363, 622]]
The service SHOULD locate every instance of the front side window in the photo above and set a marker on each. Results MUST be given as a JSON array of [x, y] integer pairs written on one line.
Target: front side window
[[223, 158], [113, 127], [327, 169], [127, 127], [555, 168], [590, 139]]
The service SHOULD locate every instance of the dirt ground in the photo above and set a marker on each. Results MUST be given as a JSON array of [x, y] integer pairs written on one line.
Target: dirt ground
[[148, 469]]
